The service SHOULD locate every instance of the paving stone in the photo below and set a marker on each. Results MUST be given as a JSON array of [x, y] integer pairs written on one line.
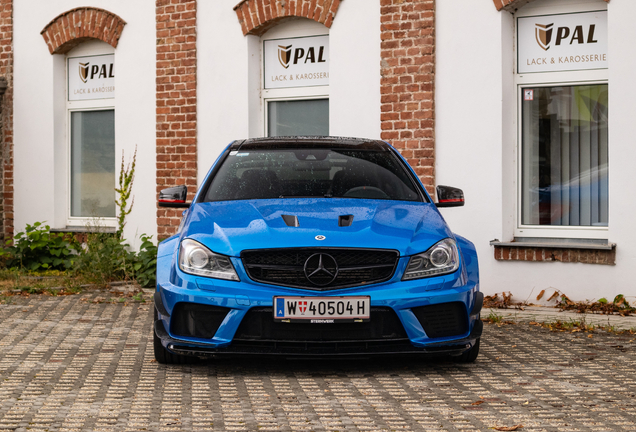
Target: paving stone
[[76, 363]]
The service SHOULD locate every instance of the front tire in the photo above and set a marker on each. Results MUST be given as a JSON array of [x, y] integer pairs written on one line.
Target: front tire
[[471, 355]]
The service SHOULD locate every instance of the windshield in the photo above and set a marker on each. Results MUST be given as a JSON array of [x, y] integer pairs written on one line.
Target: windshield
[[311, 172]]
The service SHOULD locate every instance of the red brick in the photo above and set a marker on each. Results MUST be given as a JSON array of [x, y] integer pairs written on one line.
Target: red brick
[[407, 35], [62, 34], [177, 103], [6, 66], [256, 16]]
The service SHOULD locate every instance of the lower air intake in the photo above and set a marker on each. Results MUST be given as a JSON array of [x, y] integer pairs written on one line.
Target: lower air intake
[[443, 320], [258, 325], [196, 320]]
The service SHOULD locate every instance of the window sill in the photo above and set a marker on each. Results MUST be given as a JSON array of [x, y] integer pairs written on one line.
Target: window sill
[[561, 250], [85, 229]]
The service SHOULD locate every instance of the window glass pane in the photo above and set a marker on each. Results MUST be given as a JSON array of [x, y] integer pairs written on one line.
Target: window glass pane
[[299, 117], [317, 172], [93, 164], [564, 156]]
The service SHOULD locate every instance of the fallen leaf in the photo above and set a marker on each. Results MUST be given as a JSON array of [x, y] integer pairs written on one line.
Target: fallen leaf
[[540, 294], [478, 402], [553, 296], [509, 428], [589, 336]]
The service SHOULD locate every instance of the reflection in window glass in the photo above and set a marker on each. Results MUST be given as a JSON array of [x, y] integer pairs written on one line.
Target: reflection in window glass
[[298, 117], [315, 173], [93, 164], [564, 156]]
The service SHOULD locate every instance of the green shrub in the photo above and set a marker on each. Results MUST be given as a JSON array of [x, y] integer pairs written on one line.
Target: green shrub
[[38, 249], [104, 258], [146, 263]]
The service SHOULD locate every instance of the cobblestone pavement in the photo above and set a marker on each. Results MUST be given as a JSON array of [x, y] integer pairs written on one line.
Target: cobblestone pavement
[[74, 363]]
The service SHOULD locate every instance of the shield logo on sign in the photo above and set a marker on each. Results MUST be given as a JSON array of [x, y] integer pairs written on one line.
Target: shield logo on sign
[[284, 55], [83, 71], [543, 34], [302, 305]]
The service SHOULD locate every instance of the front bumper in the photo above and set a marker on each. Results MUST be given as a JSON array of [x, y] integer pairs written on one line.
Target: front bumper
[[239, 297]]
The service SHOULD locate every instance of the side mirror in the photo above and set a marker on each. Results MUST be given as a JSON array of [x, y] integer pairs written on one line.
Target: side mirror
[[448, 196], [174, 197]]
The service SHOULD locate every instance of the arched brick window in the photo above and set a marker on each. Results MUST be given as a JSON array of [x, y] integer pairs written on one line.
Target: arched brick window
[[511, 5], [75, 26], [258, 16]]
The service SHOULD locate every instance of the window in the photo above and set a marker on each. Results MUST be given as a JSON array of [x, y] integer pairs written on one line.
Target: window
[[93, 163], [91, 135], [316, 172], [298, 117], [564, 156], [295, 79], [563, 142]]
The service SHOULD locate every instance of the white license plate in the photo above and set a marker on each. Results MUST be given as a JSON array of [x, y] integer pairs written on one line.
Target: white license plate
[[322, 310]]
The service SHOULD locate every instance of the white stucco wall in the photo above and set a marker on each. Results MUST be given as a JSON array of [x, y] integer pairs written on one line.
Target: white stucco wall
[[476, 141], [39, 113], [355, 70], [229, 67], [222, 80]]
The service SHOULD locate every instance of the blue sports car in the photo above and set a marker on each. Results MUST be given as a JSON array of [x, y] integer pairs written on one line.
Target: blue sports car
[[314, 246]]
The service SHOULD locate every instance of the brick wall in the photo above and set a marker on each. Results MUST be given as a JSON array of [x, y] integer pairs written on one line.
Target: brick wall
[[176, 104], [75, 26], [258, 16], [512, 5], [6, 71], [407, 83], [540, 254]]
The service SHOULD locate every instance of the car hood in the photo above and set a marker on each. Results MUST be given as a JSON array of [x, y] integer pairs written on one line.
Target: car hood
[[230, 227]]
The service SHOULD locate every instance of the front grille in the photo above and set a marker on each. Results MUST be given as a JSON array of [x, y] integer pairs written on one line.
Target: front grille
[[196, 320], [286, 267], [258, 325], [443, 320]]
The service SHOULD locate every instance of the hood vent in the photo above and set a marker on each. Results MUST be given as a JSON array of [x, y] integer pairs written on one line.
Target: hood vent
[[290, 220], [345, 220]]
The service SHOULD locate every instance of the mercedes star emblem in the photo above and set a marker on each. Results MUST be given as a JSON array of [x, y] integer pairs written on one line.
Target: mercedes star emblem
[[321, 269]]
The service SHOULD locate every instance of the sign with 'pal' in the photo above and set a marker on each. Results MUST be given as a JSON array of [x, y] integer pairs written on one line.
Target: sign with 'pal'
[[296, 62], [566, 42], [91, 77]]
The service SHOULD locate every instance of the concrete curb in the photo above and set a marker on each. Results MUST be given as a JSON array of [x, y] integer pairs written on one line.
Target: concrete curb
[[543, 314]]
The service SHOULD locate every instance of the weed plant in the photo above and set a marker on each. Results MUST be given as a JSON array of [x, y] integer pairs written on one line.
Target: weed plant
[[104, 258]]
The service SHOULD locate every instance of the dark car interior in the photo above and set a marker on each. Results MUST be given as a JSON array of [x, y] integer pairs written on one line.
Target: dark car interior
[[330, 174]]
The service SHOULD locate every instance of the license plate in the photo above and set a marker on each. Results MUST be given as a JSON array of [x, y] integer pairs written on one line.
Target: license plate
[[322, 310]]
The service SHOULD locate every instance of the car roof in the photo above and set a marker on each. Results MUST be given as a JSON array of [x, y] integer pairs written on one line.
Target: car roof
[[274, 143]]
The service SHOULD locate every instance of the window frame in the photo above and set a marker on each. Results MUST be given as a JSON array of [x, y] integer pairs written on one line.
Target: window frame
[[551, 79], [285, 99], [84, 106], [294, 30]]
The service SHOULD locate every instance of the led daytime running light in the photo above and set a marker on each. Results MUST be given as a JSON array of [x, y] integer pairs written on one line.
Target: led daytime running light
[[441, 258], [196, 259]]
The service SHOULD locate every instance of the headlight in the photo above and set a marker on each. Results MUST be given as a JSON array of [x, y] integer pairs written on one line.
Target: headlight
[[196, 259], [440, 259]]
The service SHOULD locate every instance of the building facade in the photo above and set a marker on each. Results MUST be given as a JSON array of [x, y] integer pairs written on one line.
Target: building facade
[[523, 104]]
